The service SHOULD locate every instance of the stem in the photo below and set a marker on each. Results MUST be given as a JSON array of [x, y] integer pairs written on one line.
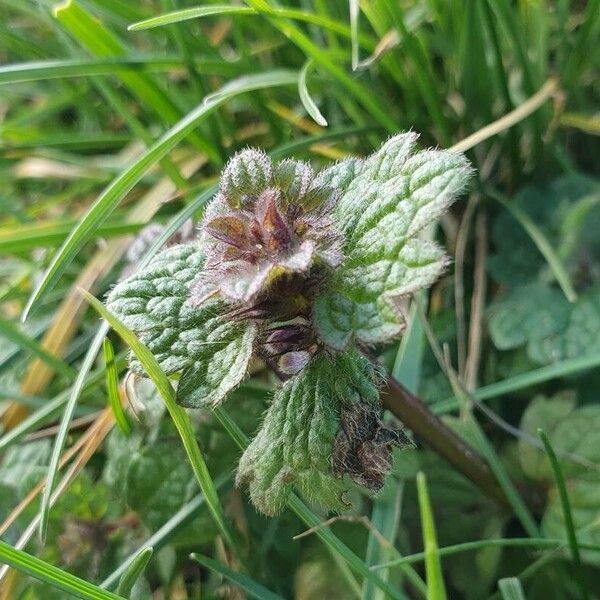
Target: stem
[[417, 416]]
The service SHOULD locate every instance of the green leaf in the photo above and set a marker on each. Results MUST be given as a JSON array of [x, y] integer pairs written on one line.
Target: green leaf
[[553, 329], [511, 589], [295, 443], [573, 434], [580, 337], [395, 194], [527, 313], [219, 368], [158, 482], [179, 416], [54, 576], [547, 414], [436, 590], [212, 352], [112, 388], [152, 302], [251, 587], [134, 571]]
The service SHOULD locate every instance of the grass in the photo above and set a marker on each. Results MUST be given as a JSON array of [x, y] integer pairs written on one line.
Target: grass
[[117, 114]]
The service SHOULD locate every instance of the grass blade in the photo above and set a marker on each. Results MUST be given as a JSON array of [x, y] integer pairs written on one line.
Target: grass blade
[[39, 70], [65, 421], [567, 513], [134, 571], [320, 20], [112, 388], [22, 238], [511, 589], [115, 191], [179, 416], [197, 12], [309, 104], [54, 576], [160, 538], [525, 380], [436, 590], [251, 587], [10, 331], [101, 42], [554, 544]]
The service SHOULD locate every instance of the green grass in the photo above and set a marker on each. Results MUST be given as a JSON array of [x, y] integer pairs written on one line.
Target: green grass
[[105, 104]]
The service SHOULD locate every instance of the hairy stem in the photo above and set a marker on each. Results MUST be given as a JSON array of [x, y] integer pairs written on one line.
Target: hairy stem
[[417, 416]]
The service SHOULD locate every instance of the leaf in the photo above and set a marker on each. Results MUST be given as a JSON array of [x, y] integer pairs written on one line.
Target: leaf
[[580, 337], [527, 313], [511, 589], [54, 576], [295, 443], [219, 368], [547, 414], [393, 196], [134, 571], [251, 587], [212, 352], [178, 415], [159, 481], [573, 433], [553, 329]]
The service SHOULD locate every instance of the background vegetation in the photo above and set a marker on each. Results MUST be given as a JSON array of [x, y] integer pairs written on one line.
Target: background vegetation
[[134, 124]]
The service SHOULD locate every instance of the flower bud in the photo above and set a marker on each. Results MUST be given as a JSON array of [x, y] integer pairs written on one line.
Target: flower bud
[[248, 173]]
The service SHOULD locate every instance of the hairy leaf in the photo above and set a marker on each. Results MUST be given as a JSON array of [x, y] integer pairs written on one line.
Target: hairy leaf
[[212, 351], [295, 443], [218, 367], [394, 195]]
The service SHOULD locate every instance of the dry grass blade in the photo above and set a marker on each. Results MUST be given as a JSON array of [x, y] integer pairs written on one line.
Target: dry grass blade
[[87, 446], [73, 307]]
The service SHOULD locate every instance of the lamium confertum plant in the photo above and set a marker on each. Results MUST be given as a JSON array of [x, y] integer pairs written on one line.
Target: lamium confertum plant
[[299, 269]]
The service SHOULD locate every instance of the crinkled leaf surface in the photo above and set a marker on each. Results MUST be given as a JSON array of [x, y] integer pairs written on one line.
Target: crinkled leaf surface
[[294, 445], [219, 366], [212, 351], [393, 196]]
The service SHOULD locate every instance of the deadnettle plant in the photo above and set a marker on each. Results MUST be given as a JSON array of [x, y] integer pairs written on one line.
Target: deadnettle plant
[[299, 269]]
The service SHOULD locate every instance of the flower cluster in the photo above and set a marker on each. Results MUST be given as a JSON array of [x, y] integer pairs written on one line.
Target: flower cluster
[[295, 268]]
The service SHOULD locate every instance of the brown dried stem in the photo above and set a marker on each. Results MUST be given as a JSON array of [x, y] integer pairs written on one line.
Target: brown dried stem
[[417, 416]]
